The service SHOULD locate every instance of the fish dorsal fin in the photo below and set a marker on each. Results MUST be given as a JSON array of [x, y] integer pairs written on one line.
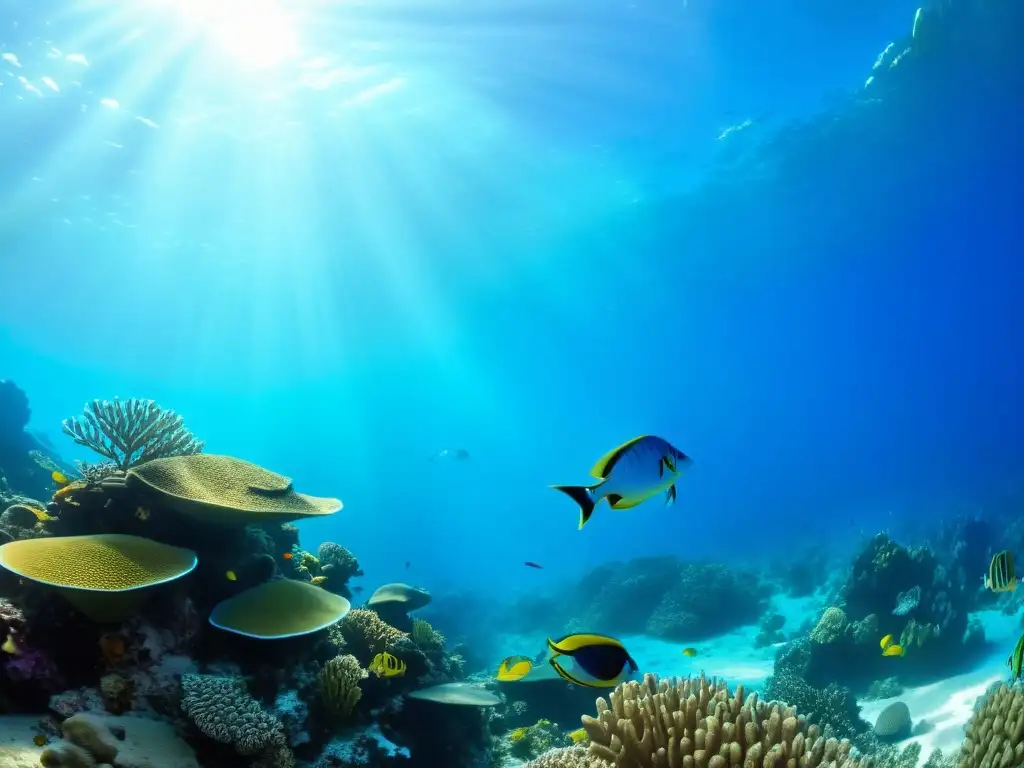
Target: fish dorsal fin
[[604, 465]]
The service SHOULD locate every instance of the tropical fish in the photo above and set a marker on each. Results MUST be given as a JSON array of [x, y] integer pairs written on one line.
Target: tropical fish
[[386, 665], [531, 564], [39, 740], [318, 581], [231, 576], [885, 642], [1015, 660], [357, 590], [10, 646], [578, 736], [1001, 576], [598, 661], [459, 454], [630, 474], [893, 650], [689, 652], [287, 555], [59, 478], [513, 669]]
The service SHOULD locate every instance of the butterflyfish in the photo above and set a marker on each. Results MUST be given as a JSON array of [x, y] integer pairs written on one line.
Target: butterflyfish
[[318, 581], [1015, 660], [287, 555], [631, 474], [10, 646], [598, 661], [59, 478], [386, 665], [513, 669], [689, 652], [885, 642], [1001, 576], [894, 649], [231, 576]]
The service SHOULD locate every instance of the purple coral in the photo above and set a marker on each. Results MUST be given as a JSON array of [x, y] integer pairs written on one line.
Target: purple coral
[[32, 664]]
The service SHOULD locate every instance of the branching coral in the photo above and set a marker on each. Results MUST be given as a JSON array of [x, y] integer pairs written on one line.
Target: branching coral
[[222, 708], [426, 637], [132, 431], [995, 735], [697, 723], [339, 685], [568, 757], [364, 634]]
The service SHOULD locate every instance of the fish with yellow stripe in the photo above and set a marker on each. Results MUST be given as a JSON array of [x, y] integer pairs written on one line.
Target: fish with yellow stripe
[[631, 474], [598, 661], [1001, 575], [386, 665]]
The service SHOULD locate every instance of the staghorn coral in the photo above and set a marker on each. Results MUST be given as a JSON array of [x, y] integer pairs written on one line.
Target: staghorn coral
[[696, 723], [995, 734], [130, 432], [223, 710], [339, 685], [364, 634]]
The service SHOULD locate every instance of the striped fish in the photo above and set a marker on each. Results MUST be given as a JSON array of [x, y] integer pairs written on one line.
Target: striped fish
[[1014, 661], [1001, 576]]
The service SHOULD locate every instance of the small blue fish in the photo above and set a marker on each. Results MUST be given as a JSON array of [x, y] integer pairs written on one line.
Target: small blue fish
[[631, 474]]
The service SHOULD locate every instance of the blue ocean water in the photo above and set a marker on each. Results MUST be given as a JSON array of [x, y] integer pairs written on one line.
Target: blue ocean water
[[341, 239]]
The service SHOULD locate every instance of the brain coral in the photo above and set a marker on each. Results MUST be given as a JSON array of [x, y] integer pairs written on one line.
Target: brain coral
[[227, 491], [280, 608], [222, 708], [995, 735], [695, 723]]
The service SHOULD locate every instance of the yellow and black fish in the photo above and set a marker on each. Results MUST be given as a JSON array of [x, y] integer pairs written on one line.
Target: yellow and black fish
[[59, 478], [1015, 660], [513, 669], [631, 474], [386, 665], [1001, 576], [598, 661]]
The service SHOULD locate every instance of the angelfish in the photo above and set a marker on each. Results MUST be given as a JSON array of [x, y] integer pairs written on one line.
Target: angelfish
[[630, 474]]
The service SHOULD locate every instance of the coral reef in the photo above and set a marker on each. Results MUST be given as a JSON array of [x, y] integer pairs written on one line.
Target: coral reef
[[995, 734], [339, 684], [132, 431]]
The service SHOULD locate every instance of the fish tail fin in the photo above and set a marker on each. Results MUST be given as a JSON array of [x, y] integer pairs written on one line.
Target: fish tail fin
[[582, 495]]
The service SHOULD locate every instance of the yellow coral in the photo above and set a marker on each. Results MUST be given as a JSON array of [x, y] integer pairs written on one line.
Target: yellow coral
[[995, 734], [689, 720], [226, 491]]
